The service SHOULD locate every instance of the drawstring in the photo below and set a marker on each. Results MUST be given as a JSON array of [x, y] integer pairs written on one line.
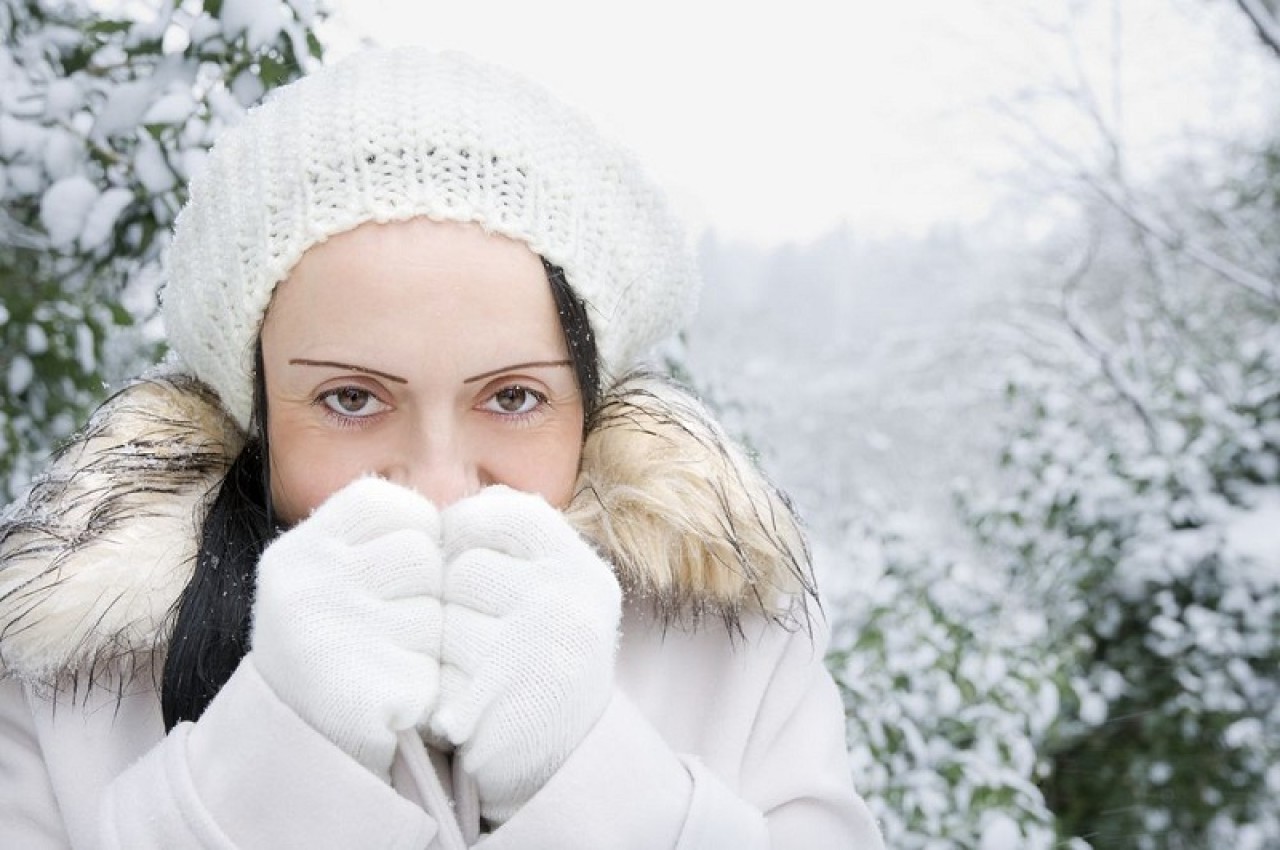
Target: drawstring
[[434, 798], [467, 800]]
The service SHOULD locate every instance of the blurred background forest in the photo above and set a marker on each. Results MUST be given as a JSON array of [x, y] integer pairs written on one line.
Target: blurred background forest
[[1038, 453]]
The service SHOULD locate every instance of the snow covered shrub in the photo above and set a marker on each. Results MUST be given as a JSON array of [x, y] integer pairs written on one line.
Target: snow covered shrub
[[103, 118], [1141, 504], [1164, 608], [947, 698]]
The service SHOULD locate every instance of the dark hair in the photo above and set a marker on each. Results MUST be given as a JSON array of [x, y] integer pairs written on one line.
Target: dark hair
[[579, 339], [211, 629]]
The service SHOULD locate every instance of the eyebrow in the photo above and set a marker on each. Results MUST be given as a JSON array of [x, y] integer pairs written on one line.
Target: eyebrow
[[349, 367], [531, 365]]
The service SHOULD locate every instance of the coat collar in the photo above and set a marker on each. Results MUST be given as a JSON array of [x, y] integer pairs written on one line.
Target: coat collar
[[94, 559]]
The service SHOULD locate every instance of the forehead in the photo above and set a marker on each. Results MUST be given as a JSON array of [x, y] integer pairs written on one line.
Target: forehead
[[429, 301], [423, 274], [422, 249]]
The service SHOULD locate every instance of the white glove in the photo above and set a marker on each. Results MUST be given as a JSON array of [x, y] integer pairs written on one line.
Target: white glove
[[530, 629], [346, 622]]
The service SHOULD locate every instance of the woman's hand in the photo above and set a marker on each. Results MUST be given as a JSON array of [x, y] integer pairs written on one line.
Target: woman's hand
[[530, 630], [347, 619]]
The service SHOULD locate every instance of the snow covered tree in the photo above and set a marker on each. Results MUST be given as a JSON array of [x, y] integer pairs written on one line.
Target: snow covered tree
[[1161, 597], [1141, 498], [104, 116]]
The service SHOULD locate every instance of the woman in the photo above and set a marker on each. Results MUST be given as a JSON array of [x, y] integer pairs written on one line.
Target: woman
[[400, 550]]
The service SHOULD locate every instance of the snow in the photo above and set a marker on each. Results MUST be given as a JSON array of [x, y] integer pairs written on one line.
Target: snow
[[1112, 685], [37, 340], [175, 40], [1093, 708], [19, 138], [204, 28], [1248, 732], [20, 374], [62, 97], [109, 56], [305, 10], [63, 154], [125, 106], [99, 224], [151, 167], [173, 108], [224, 106], [1001, 833], [85, 356], [247, 88], [64, 208], [191, 161], [1254, 533], [878, 441], [259, 22]]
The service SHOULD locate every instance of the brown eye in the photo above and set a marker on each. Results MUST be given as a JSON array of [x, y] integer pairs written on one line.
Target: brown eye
[[515, 400], [352, 401]]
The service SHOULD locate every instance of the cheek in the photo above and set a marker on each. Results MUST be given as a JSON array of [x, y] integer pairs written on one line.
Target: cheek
[[304, 475], [548, 467]]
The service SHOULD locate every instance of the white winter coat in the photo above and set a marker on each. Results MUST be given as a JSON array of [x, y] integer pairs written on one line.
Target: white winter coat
[[724, 735]]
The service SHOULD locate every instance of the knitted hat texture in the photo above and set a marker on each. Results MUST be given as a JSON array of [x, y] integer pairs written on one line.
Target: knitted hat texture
[[389, 135]]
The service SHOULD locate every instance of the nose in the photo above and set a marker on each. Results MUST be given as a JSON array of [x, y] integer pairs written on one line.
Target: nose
[[438, 468]]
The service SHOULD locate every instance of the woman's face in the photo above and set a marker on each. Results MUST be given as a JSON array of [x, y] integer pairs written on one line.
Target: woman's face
[[427, 353]]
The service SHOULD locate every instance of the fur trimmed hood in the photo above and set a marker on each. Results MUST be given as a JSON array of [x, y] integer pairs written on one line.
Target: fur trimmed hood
[[94, 559]]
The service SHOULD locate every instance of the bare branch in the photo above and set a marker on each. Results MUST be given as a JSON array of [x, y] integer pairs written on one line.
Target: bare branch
[[1110, 182], [1115, 192], [1210, 259], [1264, 22], [1101, 351]]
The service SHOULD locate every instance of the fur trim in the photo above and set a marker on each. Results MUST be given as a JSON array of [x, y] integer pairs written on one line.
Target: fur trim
[[689, 521], [94, 559]]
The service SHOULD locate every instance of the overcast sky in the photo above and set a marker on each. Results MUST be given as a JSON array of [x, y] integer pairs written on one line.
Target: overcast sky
[[779, 121]]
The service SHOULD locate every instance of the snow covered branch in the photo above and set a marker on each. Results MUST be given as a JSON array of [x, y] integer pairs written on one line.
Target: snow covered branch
[[1264, 22], [1102, 352], [1232, 272]]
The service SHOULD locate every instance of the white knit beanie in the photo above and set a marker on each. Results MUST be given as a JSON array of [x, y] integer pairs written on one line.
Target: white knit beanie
[[389, 135]]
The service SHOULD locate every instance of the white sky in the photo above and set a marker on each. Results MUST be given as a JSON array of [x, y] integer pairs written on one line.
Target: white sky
[[779, 121]]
